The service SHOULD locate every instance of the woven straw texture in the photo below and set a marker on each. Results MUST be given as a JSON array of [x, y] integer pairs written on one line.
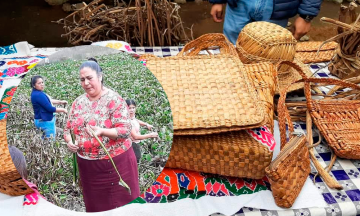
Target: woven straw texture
[[264, 40], [313, 46], [337, 120], [11, 182], [234, 154], [208, 94], [264, 78], [289, 175], [291, 76], [314, 57]]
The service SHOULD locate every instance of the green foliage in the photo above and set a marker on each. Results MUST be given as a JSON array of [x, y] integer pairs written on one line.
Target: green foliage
[[50, 162]]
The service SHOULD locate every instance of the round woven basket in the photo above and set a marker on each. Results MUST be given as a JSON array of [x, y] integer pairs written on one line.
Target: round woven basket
[[11, 182], [267, 41]]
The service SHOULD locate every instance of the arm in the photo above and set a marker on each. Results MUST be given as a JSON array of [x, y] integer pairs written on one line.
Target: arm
[[67, 137], [42, 100], [307, 9], [58, 101], [149, 126], [142, 137]]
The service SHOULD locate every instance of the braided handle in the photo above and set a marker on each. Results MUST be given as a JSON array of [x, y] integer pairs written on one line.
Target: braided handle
[[206, 41]]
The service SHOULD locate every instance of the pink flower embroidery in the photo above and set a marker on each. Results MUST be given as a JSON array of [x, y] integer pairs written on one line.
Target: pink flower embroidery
[[112, 104], [108, 123], [159, 190]]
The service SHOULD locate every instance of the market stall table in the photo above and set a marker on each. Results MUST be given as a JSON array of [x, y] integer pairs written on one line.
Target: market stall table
[[215, 192]]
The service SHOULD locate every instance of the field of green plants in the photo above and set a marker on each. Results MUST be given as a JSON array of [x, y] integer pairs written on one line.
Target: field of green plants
[[50, 162]]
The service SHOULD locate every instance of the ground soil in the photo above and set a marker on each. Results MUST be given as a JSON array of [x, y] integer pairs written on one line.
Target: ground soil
[[24, 20]]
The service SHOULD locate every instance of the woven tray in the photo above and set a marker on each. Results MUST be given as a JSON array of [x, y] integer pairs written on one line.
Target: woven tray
[[11, 182], [313, 46], [313, 57], [207, 94]]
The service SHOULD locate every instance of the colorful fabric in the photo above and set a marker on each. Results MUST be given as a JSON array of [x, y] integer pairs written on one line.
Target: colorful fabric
[[143, 61], [263, 136], [5, 101], [109, 111], [14, 50], [118, 45], [176, 184], [33, 198]]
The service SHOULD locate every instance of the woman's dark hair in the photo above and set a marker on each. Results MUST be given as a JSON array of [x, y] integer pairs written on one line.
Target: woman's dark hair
[[34, 79], [19, 161], [93, 64], [130, 102]]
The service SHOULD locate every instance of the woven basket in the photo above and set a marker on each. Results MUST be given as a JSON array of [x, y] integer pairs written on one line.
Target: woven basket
[[307, 51], [337, 120], [213, 101], [264, 41], [11, 182]]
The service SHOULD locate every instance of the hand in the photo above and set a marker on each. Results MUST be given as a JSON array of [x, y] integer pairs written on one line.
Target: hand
[[301, 28], [149, 126], [217, 12], [63, 110], [97, 130], [64, 102], [73, 147], [154, 135]]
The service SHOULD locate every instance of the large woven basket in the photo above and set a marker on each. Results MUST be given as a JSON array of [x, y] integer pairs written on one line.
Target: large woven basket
[[338, 120], [213, 101], [11, 182]]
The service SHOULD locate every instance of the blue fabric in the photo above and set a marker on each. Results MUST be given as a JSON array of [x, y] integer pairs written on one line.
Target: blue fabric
[[42, 106], [48, 127], [245, 12], [282, 9]]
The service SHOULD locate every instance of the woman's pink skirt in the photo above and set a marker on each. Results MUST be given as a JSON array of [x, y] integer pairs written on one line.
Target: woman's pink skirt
[[100, 182]]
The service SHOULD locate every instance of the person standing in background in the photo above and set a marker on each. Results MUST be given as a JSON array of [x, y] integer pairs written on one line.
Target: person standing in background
[[241, 12]]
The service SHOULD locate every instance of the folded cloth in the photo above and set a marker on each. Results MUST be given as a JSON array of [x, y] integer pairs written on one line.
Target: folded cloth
[[15, 50], [118, 45]]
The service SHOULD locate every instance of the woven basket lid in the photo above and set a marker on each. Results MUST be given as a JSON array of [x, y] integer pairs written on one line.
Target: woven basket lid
[[11, 182], [207, 94], [286, 78], [267, 40]]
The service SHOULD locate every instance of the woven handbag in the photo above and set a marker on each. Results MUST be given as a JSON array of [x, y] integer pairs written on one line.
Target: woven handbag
[[11, 182], [217, 110], [288, 172], [338, 120]]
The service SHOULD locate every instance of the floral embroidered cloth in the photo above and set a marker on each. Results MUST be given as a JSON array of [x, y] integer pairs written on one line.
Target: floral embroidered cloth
[[109, 111]]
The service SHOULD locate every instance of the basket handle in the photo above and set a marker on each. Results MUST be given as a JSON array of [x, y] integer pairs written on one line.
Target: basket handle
[[206, 41], [308, 80], [284, 115]]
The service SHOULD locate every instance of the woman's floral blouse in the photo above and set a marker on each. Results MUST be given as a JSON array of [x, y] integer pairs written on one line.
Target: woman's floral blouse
[[109, 111]]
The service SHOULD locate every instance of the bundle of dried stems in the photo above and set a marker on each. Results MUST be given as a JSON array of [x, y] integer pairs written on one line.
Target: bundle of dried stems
[[346, 63], [148, 23]]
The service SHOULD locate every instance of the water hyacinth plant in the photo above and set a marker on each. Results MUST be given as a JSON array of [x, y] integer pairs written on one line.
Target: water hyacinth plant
[[50, 163]]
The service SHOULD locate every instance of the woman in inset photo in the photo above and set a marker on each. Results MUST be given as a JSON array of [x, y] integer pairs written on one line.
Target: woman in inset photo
[[44, 109], [104, 112], [136, 136]]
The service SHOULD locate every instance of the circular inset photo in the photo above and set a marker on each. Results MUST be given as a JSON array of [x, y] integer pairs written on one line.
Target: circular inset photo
[[96, 130]]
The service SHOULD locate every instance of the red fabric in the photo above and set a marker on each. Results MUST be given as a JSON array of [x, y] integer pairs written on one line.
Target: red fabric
[[100, 182], [109, 111]]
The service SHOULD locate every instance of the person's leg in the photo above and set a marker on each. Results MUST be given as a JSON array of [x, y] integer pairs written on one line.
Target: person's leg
[[137, 151], [50, 128], [263, 12], [236, 19]]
